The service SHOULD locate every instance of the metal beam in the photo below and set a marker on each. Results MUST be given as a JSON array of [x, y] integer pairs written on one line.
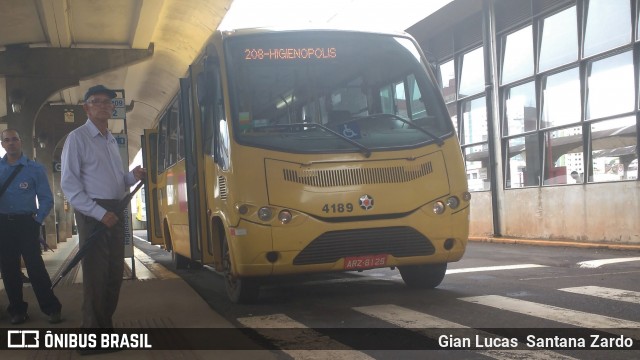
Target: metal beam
[[69, 63]]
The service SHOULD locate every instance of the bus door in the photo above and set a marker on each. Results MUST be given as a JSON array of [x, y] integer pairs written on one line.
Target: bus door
[[149, 144], [191, 169], [206, 81]]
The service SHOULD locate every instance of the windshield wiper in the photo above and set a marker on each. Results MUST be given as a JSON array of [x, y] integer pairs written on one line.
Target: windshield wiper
[[438, 139], [365, 150]]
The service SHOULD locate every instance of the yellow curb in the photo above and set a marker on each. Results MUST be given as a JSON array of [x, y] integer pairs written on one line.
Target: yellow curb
[[541, 242]]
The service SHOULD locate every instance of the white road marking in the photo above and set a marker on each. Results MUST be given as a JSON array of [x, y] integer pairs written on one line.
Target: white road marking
[[494, 268], [486, 268], [407, 318], [606, 293], [307, 338], [558, 314], [585, 275], [592, 264], [427, 325]]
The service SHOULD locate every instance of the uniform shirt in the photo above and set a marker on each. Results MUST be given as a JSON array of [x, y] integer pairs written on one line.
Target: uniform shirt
[[20, 196], [92, 169]]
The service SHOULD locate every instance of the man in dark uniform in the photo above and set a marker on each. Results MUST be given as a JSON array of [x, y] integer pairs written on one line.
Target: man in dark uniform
[[20, 221]]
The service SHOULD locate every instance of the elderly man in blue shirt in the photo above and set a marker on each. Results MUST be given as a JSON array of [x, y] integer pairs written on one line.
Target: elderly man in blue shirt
[[20, 221]]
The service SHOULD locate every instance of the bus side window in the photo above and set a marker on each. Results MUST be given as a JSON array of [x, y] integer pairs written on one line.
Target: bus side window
[[173, 137], [207, 123], [211, 101], [221, 136], [162, 143]]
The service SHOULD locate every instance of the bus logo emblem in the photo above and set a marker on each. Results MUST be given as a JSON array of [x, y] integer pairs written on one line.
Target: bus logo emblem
[[366, 202]]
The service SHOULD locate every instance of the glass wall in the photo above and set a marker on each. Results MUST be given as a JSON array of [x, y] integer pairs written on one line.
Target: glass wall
[[470, 101], [568, 113], [567, 85]]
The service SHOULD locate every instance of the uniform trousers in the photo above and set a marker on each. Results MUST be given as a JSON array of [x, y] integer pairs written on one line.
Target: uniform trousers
[[19, 237], [102, 268]]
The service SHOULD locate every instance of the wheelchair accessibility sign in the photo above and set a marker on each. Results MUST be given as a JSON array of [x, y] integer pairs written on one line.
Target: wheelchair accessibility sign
[[350, 130]]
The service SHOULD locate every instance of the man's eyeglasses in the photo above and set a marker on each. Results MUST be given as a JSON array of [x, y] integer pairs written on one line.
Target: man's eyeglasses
[[99, 102]]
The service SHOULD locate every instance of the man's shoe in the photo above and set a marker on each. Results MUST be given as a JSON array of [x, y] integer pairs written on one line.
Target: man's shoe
[[55, 318], [19, 318]]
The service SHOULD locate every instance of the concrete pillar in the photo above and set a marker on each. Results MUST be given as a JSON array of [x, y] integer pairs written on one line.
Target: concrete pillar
[[54, 122]]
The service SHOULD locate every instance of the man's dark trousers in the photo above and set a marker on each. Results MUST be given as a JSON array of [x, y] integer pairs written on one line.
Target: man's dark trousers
[[19, 236], [102, 268]]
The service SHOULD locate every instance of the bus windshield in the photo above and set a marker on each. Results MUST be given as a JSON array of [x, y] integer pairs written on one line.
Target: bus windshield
[[324, 91]]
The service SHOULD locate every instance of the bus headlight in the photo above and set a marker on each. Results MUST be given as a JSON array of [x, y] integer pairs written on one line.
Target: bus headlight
[[285, 216], [438, 207], [265, 214], [453, 202], [466, 196]]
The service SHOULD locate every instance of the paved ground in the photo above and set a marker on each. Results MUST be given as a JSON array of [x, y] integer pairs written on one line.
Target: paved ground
[[155, 299]]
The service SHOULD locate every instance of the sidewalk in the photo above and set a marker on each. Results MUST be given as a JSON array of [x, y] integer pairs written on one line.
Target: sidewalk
[[157, 298], [554, 242]]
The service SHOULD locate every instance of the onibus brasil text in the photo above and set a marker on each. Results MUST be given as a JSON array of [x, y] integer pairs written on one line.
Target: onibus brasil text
[[52, 340]]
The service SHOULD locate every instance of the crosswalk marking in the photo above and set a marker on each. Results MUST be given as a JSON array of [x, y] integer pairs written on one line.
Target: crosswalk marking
[[606, 293], [376, 276], [592, 264], [406, 318], [305, 339], [295, 343], [487, 268], [558, 314], [494, 268], [427, 325]]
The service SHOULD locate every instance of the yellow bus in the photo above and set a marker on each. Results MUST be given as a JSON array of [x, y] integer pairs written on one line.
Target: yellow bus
[[289, 152]]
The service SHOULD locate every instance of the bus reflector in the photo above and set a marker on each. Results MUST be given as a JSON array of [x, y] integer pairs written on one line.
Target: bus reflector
[[237, 231]]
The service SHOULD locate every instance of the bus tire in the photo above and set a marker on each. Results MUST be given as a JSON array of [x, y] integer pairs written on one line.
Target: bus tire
[[179, 262], [426, 276], [240, 290]]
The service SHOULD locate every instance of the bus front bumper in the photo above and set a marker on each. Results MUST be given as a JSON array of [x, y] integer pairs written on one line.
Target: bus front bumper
[[318, 246]]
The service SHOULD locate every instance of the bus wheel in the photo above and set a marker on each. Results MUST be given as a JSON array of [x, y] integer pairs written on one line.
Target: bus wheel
[[179, 261], [425, 276], [239, 290]]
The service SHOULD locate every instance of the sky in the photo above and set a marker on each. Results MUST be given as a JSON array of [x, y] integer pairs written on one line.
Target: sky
[[382, 15]]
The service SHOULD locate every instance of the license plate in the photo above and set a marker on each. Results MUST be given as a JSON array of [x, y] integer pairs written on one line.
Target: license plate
[[365, 262]]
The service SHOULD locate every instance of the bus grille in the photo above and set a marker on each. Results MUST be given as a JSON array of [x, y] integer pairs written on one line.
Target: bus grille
[[358, 176], [399, 241], [222, 187]]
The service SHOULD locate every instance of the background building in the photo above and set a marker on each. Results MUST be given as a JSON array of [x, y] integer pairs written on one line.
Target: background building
[[539, 89]]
